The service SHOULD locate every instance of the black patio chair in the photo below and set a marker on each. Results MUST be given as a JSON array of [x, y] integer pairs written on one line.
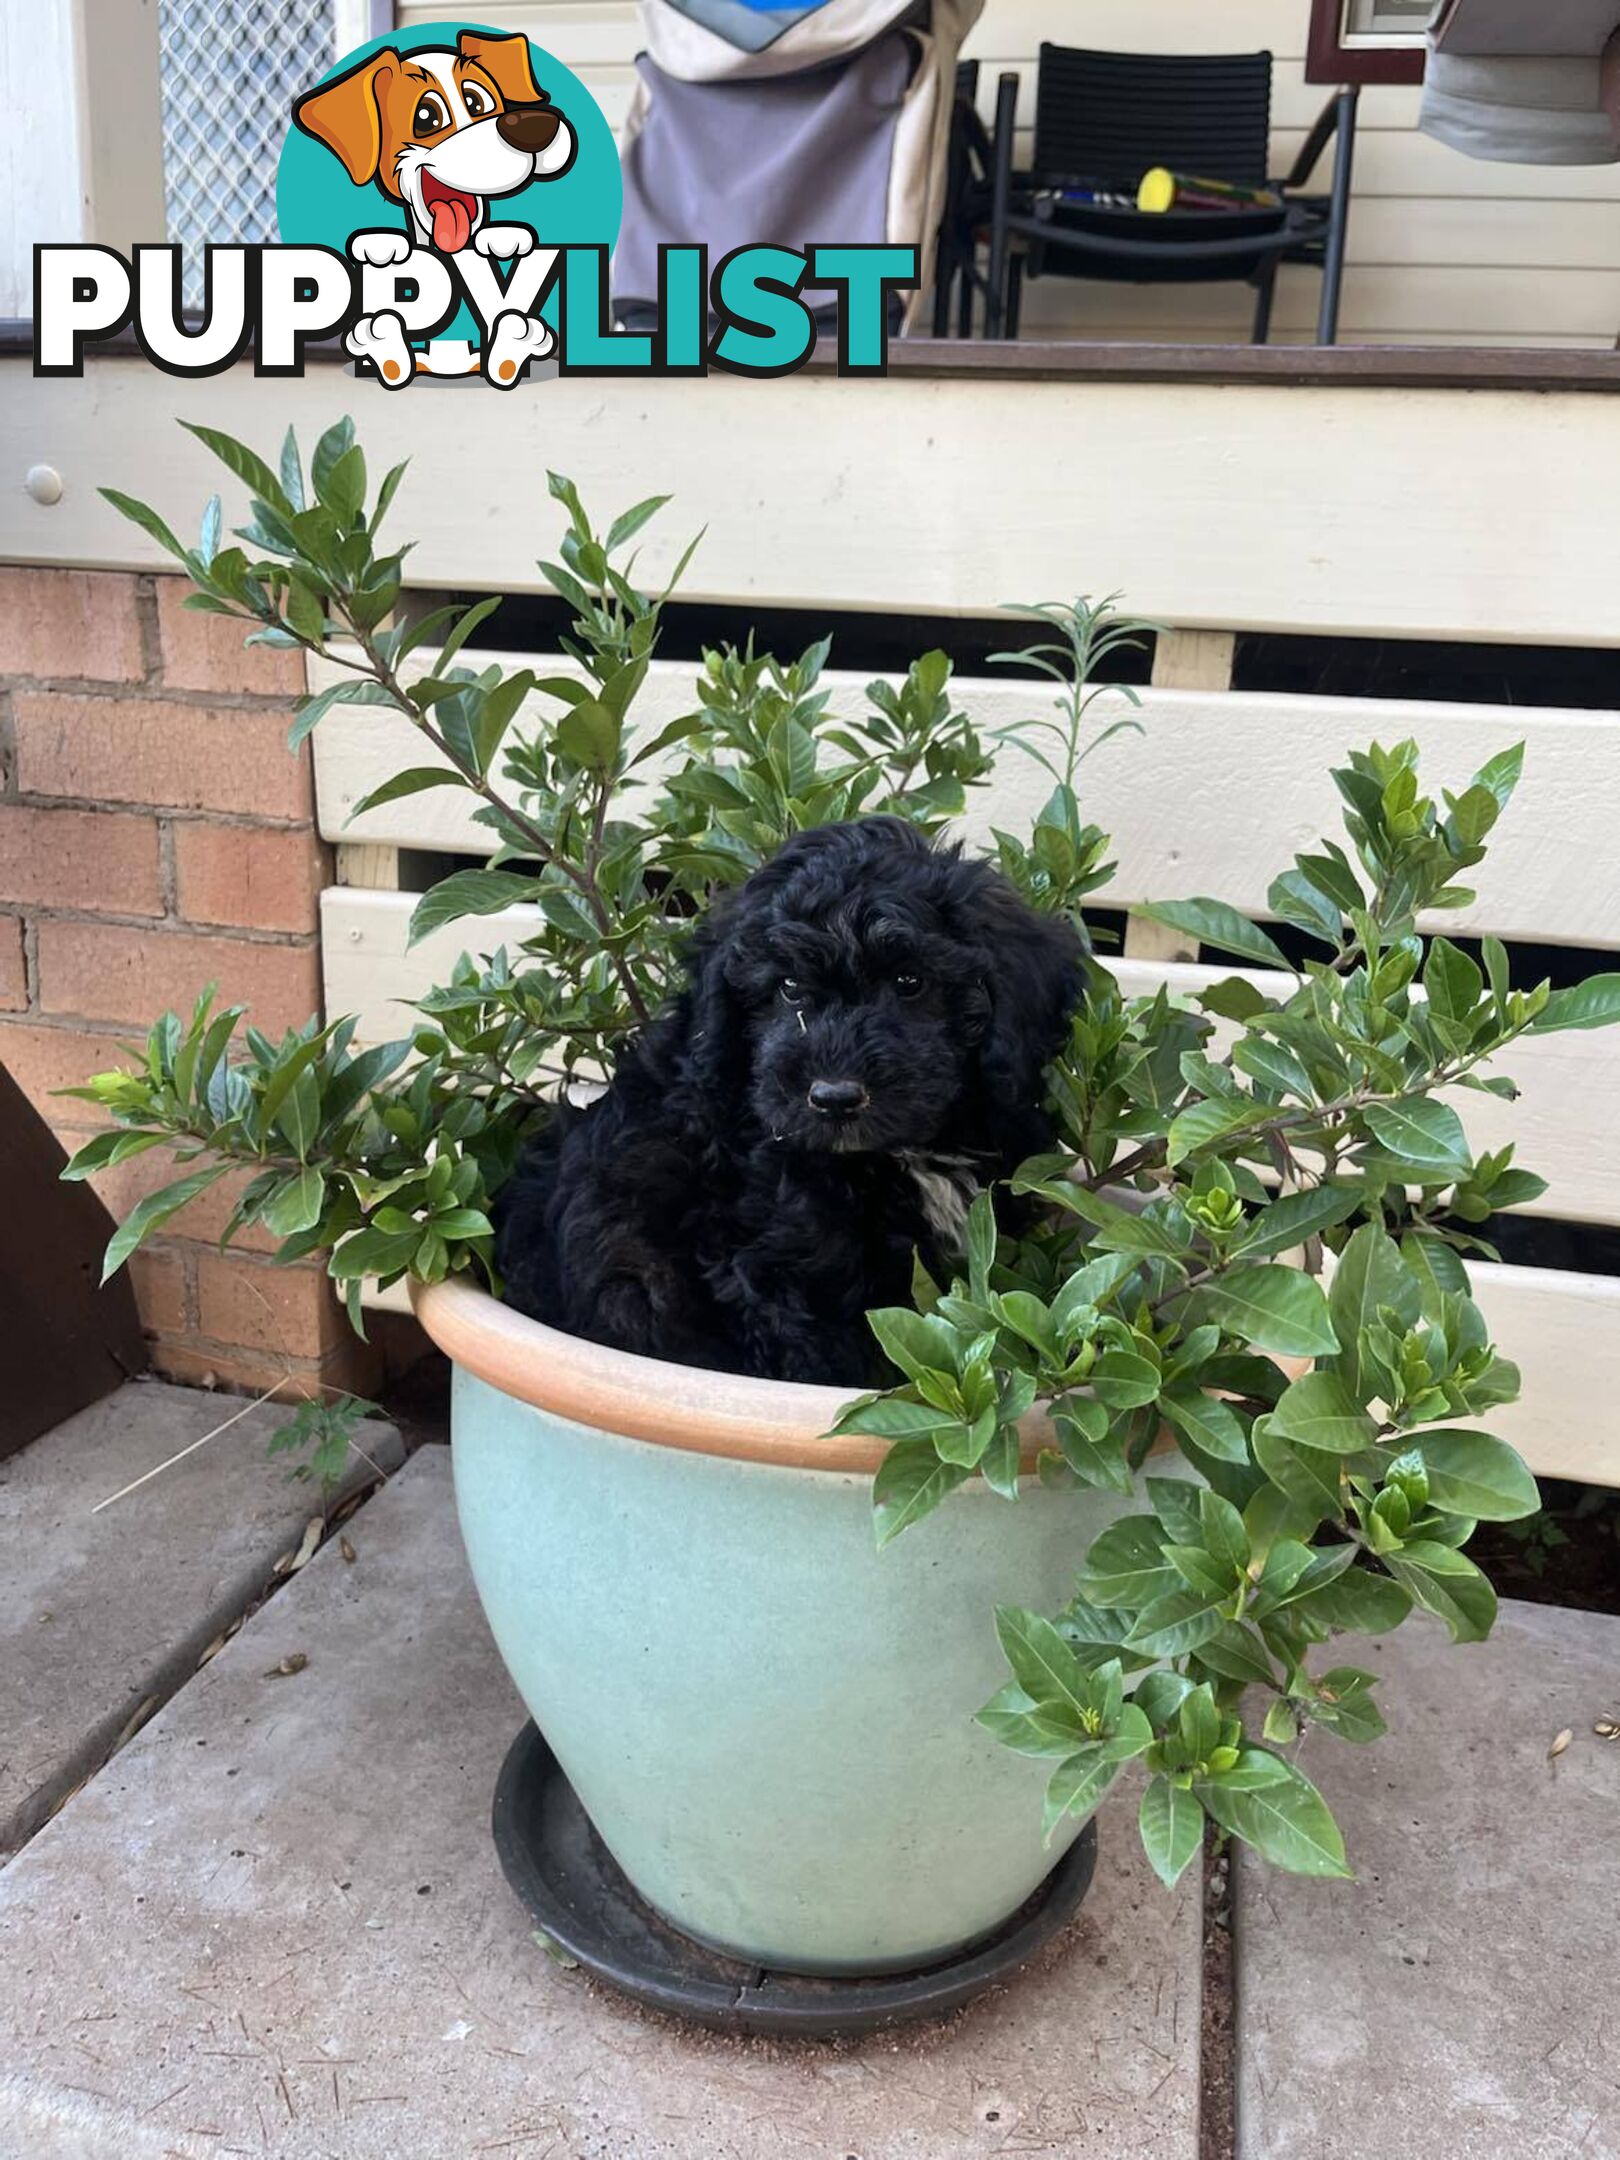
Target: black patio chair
[[957, 276], [1102, 119]]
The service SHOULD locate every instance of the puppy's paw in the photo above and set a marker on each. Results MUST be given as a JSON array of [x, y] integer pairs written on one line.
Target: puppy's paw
[[504, 241], [380, 248], [517, 340], [381, 340]]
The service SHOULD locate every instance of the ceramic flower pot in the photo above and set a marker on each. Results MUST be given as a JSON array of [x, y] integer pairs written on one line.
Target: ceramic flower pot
[[769, 1722]]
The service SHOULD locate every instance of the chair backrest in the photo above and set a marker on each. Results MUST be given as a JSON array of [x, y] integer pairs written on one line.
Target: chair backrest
[[1111, 115]]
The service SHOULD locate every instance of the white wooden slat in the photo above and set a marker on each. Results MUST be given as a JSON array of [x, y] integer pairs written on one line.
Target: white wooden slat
[[1561, 1123], [1252, 506], [1248, 774]]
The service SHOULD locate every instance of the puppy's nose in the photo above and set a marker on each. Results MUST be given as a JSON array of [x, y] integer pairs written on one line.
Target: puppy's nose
[[837, 1098], [528, 127]]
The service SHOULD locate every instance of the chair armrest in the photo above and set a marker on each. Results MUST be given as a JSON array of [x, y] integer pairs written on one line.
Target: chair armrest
[[1323, 129]]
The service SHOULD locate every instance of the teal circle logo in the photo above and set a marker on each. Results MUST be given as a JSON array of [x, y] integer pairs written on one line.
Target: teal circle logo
[[455, 137]]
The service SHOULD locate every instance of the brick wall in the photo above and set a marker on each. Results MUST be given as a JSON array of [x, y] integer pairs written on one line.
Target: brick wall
[[156, 835]]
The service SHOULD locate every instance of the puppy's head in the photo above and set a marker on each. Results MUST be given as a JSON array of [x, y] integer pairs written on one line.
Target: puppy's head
[[442, 130], [865, 992]]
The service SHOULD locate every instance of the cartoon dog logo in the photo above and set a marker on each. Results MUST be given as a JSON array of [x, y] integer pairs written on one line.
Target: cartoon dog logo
[[443, 132]]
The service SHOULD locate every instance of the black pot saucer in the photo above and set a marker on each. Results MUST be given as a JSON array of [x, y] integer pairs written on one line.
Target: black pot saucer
[[582, 1904]]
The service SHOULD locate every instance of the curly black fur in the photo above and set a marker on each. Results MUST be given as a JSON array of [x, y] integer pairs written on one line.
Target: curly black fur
[[705, 1209]]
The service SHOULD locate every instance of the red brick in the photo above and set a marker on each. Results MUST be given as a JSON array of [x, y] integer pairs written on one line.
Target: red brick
[[13, 971], [159, 1277], [249, 875], [73, 624], [79, 859], [128, 977], [206, 652], [293, 1311], [246, 1372], [146, 750], [41, 1059]]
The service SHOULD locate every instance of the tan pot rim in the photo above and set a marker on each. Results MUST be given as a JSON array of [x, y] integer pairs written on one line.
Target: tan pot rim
[[679, 1406]]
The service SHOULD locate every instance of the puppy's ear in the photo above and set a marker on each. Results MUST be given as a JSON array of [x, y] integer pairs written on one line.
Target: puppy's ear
[[505, 60], [346, 114], [1033, 983], [716, 1038]]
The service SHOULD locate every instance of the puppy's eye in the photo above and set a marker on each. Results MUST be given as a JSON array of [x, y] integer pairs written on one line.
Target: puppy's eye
[[792, 992], [475, 100], [431, 114], [909, 986]]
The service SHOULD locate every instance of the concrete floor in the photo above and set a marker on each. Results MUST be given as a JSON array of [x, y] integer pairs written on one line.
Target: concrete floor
[[104, 1614], [274, 1925]]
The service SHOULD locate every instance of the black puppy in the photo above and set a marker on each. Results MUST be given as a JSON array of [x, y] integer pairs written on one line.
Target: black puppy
[[859, 1047]]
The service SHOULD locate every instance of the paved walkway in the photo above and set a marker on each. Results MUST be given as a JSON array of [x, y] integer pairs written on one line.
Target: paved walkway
[[1462, 2000], [274, 1925], [101, 1615]]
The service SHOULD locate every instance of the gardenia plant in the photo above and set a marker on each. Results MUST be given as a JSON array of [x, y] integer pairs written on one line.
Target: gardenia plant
[[1256, 1215]]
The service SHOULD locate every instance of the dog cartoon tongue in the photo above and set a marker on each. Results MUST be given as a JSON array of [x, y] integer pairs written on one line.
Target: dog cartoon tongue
[[450, 213], [452, 223]]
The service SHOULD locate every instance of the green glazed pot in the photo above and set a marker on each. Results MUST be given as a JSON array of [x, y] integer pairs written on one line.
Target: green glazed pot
[[769, 1722]]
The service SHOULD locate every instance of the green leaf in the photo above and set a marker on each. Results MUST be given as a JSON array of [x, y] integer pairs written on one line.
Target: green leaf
[[1172, 1826], [890, 1418], [147, 519], [1212, 922], [1274, 1065], [1203, 1122], [1309, 1479], [917, 1343], [410, 782], [1271, 1307], [1091, 1451], [1472, 1473], [1294, 1218], [629, 522], [1359, 1602], [910, 1484], [467, 892], [1422, 1132], [1208, 1422], [1171, 1625], [1320, 1411], [1276, 1809], [342, 485], [1124, 1381], [105, 1150], [1042, 1662], [1076, 1787], [1370, 1274], [1444, 1582], [245, 463], [1028, 1727], [1126, 1564], [1452, 980], [589, 734], [153, 1212], [296, 1205], [1594, 1003], [331, 445]]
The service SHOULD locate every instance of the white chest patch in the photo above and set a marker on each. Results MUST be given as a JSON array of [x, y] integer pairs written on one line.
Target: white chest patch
[[946, 1186]]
